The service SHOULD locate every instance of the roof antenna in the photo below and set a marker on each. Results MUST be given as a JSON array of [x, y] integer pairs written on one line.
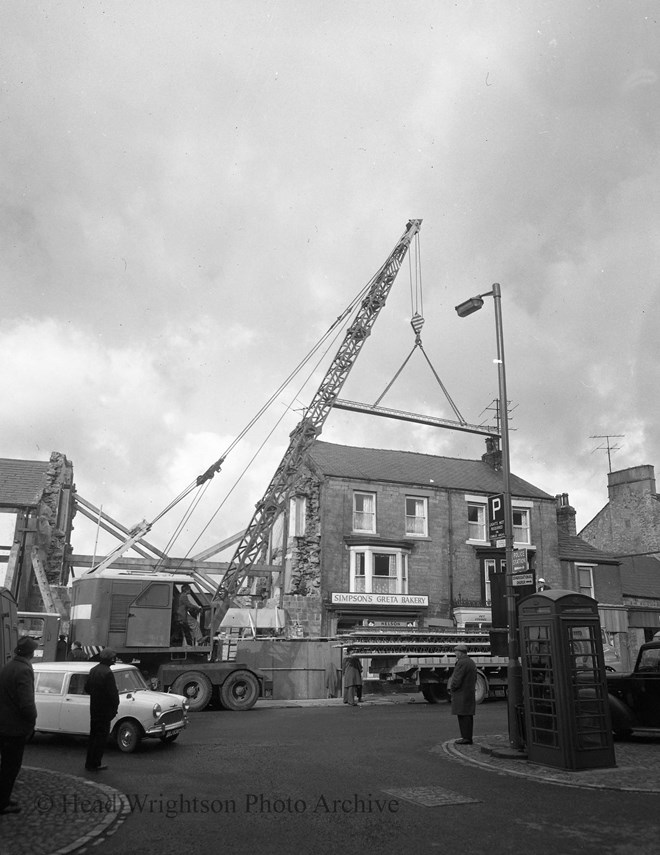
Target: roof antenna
[[609, 448]]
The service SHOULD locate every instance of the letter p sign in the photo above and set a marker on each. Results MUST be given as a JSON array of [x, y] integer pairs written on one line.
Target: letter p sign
[[496, 516]]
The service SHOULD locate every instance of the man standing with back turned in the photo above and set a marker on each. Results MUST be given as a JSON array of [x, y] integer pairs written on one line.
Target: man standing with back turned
[[462, 684], [18, 715], [103, 705]]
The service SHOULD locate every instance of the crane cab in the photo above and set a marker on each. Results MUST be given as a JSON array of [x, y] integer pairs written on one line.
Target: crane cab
[[125, 610]]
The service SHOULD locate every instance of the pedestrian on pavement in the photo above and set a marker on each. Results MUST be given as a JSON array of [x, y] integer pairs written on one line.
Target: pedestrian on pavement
[[18, 715], [103, 705], [461, 685], [77, 653], [61, 649], [352, 680], [542, 586]]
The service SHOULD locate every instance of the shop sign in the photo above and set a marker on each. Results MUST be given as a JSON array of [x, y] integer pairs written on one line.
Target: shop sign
[[389, 624], [355, 599]]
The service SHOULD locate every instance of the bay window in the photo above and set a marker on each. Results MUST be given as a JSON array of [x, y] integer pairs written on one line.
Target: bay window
[[377, 570]]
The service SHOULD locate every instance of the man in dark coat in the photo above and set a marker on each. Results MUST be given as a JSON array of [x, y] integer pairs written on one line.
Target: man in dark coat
[[77, 653], [462, 684], [18, 715], [352, 680], [61, 649], [103, 705]]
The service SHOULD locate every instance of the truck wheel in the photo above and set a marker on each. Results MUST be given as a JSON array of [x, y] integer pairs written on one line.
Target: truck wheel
[[481, 689], [128, 736], [239, 691], [195, 687], [433, 693]]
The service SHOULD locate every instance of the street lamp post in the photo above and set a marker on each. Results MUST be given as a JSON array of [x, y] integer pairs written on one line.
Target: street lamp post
[[514, 671]]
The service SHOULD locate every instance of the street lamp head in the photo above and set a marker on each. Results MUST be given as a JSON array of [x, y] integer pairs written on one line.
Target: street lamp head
[[469, 306]]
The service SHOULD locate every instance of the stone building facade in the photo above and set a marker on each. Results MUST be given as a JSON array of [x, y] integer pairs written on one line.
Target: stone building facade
[[394, 538], [41, 497], [629, 528]]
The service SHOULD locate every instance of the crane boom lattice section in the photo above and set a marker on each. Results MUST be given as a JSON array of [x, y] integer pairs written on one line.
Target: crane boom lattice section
[[254, 545]]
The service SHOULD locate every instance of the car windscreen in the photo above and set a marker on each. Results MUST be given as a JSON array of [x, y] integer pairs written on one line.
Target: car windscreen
[[129, 681]]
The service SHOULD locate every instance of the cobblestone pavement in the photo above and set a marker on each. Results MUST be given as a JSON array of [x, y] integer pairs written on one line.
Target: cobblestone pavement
[[59, 814], [637, 764]]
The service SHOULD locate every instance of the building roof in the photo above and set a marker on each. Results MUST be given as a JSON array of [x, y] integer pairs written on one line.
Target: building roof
[[573, 548], [22, 482], [640, 576], [408, 467]]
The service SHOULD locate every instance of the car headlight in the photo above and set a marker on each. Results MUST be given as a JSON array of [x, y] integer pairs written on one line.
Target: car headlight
[[186, 705], [157, 710]]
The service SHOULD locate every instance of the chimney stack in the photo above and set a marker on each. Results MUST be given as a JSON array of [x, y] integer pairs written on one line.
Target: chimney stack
[[493, 455], [565, 514]]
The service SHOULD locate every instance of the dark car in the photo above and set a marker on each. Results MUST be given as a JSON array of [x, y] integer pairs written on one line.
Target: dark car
[[635, 698]]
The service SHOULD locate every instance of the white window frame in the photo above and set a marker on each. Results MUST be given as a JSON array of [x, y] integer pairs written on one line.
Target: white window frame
[[362, 559], [297, 516], [489, 564], [363, 513], [526, 528], [421, 503], [480, 503], [579, 568]]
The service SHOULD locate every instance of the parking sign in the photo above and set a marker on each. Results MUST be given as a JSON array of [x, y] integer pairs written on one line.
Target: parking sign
[[496, 517]]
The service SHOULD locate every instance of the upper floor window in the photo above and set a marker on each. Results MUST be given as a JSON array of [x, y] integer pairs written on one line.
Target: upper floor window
[[364, 512], [476, 521], [521, 527], [297, 516], [585, 579], [417, 516], [376, 570]]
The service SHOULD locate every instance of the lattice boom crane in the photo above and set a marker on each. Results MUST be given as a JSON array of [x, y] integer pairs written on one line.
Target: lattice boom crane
[[252, 548]]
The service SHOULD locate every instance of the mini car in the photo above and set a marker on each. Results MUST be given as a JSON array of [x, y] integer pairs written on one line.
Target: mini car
[[63, 706]]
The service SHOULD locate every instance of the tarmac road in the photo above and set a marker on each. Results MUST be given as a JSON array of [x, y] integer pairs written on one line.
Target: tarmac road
[[384, 777]]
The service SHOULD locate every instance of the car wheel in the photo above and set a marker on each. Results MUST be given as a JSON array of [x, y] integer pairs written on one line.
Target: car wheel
[[239, 691], [128, 735], [168, 737], [195, 687]]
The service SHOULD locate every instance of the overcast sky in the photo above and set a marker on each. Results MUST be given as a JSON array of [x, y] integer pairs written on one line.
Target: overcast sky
[[193, 191]]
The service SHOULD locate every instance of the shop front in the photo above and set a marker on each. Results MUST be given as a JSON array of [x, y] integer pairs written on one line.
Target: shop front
[[350, 611]]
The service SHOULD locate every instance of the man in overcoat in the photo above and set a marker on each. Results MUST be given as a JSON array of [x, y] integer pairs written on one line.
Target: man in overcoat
[[461, 685], [352, 680], [103, 705], [18, 715]]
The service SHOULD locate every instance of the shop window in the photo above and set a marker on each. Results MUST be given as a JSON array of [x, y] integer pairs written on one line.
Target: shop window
[[379, 571], [364, 512], [416, 516]]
